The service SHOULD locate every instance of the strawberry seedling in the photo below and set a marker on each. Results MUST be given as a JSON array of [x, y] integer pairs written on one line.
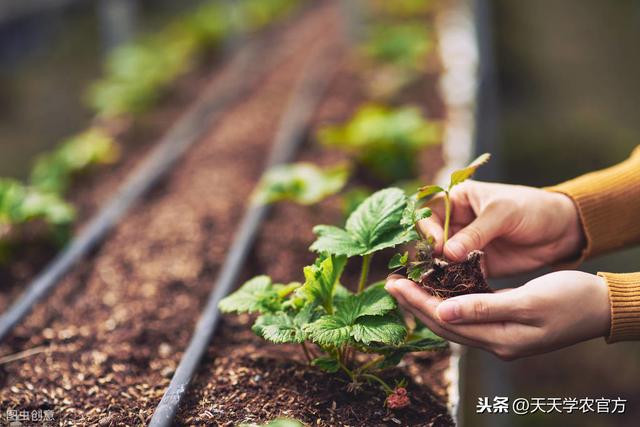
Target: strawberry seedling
[[322, 315], [439, 276]]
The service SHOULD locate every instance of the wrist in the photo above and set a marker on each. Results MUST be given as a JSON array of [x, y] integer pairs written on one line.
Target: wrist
[[602, 305], [573, 241]]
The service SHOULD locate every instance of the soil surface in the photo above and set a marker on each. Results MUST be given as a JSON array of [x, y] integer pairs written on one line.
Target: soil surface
[[104, 345], [91, 189], [245, 379], [447, 279]]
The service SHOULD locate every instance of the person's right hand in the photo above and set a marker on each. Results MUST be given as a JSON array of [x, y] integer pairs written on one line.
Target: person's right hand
[[519, 228]]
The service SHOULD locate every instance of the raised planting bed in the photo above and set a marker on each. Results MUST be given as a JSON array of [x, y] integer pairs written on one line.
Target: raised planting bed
[[106, 343]]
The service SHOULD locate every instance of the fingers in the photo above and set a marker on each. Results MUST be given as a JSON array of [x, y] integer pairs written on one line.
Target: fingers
[[480, 232], [482, 308], [432, 227], [424, 306], [429, 322]]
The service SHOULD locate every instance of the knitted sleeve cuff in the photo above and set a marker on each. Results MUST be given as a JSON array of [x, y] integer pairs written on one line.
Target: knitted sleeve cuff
[[624, 295], [608, 202]]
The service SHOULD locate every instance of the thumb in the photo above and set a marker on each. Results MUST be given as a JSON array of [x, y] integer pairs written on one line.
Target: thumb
[[479, 308], [476, 235]]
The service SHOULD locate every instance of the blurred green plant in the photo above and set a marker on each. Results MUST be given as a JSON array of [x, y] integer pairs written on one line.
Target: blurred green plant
[[138, 74], [402, 8], [303, 183], [404, 45], [384, 140], [21, 204], [52, 172]]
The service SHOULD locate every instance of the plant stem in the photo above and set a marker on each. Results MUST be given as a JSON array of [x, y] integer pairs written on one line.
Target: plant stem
[[306, 352], [370, 363], [447, 216], [344, 368], [379, 380], [364, 272]]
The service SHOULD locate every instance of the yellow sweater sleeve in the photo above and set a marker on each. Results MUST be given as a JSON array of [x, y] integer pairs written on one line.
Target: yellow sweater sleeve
[[608, 203]]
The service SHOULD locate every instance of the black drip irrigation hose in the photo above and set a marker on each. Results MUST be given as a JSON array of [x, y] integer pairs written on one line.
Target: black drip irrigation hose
[[292, 128], [236, 81]]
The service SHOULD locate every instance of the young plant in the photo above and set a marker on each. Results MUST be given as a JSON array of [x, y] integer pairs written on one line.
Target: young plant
[[20, 204], [386, 141], [303, 183], [321, 312], [457, 177], [53, 171], [139, 73], [403, 45], [438, 276], [402, 8]]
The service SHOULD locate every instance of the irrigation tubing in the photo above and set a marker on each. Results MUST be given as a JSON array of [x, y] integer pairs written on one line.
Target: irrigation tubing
[[235, 82], [308, 92]]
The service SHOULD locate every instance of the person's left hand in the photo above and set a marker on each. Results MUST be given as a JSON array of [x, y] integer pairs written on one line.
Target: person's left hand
[[552, 311]]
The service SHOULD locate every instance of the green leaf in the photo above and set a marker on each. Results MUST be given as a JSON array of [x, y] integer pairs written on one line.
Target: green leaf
[[329, 330], [462, 175], [326, 364], [374, 301], [361, 318], [421, 339], [414, 273], [429, 190], [412, 213], [20, 204], [384, 140], [321, 279], [398, 260], [284, 327], [373, 226], [404, 45], [53, 171], [303, 183], [256, 295], [337, 241], [381, 329]]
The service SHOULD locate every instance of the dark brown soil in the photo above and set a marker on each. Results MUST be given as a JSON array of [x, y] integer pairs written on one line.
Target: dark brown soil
[[245, 379], [90, 190], [104, 345], [447, 279]]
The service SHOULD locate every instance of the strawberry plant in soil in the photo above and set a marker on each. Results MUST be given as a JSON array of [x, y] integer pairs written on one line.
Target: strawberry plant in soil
[[106, 342], [244, 378], [116, 326], [438, 276]]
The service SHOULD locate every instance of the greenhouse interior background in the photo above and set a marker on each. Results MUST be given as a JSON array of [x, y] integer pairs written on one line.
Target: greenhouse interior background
[[562, 98]]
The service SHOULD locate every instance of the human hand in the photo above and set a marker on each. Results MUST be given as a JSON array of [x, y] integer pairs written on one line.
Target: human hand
[[519, 228], [552, 311]]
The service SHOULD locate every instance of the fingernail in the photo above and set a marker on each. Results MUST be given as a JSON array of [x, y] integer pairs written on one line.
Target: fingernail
[[455, 248], [449, 311], [389, 284]]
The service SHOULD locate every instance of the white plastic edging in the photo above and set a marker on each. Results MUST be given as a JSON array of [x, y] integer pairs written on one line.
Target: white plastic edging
[[458, 49]]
